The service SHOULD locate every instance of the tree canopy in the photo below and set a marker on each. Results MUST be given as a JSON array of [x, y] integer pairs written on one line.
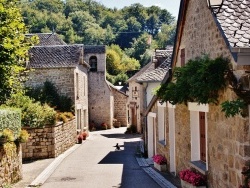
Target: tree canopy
[[13, 48]]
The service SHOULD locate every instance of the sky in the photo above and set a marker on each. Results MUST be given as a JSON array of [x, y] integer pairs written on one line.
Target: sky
[[171, 5]]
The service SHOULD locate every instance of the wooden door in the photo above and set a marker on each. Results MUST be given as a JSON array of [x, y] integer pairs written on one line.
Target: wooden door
[[202, 137]]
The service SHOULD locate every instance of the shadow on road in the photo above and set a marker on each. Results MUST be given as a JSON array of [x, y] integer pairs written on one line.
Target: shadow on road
[[122, 135], [132, 174]]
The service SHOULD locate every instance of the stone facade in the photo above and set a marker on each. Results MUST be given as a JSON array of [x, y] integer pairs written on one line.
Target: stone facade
[[120, 107], [49, 142], [227, 139], [10, 163], [65, 80], [135, 104]]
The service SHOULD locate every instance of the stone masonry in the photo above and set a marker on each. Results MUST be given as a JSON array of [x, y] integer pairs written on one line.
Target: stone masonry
[[49, 142], [120, 100], [227, 138], [10, 163]]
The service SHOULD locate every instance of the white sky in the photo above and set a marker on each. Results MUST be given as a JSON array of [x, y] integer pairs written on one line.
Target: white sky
[[171, 5]]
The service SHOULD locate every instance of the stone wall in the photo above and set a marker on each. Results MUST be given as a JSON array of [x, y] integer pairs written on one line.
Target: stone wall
[[63, 78], [101, 100], [49, 142], [120, 108], [10, 163]]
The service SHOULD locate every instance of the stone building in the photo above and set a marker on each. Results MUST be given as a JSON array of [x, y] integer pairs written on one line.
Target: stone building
[[64, 66], [78, 71], [142, 85], [223, 149]]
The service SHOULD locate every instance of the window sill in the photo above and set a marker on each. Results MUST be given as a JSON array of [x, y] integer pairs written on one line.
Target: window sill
[[199, 165], [162, 142]]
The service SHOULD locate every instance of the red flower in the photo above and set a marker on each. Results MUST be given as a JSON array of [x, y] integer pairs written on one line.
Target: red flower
[[192, 177], [159, 159]]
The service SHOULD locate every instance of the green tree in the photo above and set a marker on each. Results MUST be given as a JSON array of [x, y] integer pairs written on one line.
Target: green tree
[[13, 48], [166, 36]]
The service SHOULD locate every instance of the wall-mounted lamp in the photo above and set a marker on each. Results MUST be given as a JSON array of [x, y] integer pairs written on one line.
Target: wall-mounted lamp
[[215, 4]]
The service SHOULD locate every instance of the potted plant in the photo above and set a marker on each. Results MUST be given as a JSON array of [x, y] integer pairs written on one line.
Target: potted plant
[[160, 162], [104, 126], [84, 135], [191, 179], [79, 137]]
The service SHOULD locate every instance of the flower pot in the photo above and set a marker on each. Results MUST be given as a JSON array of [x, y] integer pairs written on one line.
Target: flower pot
[[185, 184], [161, 168]]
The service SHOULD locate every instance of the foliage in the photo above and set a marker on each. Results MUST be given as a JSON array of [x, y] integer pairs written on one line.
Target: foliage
[[8, 135], [33, 113], [231, 108], [10, 118], [192, 177], [48, 93], [23, 136], [64, 117], [159, 159], [13, 49], [131, 129], [90, 22], [120, 78], [198, 81]]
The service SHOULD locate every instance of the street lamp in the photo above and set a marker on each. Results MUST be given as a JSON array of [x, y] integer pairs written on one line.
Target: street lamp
[[215, 4]]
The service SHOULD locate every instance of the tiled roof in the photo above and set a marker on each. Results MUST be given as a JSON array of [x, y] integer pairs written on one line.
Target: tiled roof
[[55, 56], [157, 75], [94, 49], [234, 18], [147, 68], [46, 39]]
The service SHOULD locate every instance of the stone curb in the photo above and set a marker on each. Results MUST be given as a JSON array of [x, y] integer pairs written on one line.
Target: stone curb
[[158, 178], [46, 173]]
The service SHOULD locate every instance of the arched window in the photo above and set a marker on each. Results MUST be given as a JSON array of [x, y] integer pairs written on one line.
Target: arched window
[[93, 63]]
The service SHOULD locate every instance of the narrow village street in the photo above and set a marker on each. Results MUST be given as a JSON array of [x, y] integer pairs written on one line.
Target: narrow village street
[[97, 163]]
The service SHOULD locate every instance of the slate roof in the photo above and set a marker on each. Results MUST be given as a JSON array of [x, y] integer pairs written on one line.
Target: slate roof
[[234, 19], [46, 39], [147, 68], [55, 56], [157, 74], [94, 49]]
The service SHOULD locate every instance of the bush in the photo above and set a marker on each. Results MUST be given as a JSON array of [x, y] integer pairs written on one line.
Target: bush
[[24, 136], [8, 135], [33, 113], [10, 118], [48, 93]]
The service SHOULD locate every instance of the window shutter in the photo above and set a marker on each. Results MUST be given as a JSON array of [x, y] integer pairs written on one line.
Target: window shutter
[[202, 137], [182, 57]]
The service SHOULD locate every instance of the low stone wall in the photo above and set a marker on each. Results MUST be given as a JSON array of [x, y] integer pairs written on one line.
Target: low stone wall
[[10, 164], [49, 142]]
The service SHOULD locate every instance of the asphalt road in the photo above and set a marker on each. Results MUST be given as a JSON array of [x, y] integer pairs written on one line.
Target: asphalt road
[[97, 164]]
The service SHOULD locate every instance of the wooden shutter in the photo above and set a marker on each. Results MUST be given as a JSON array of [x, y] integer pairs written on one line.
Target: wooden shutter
[[182, 57], [202, 137]]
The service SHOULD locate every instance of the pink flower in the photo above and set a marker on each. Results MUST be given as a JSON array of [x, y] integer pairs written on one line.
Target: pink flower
[[159, 159], [192, 177]]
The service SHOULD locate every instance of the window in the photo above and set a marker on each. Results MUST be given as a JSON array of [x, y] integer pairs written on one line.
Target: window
[[182, 57], [198, 125], [93, 63]]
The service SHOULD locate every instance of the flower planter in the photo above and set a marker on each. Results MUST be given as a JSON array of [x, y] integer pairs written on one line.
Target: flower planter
[[161, 168], [185, 184]]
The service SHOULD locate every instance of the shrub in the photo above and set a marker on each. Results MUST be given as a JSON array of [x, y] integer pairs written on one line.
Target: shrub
[[48, 93], [24, 136], [8, 135], [33, 113]]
